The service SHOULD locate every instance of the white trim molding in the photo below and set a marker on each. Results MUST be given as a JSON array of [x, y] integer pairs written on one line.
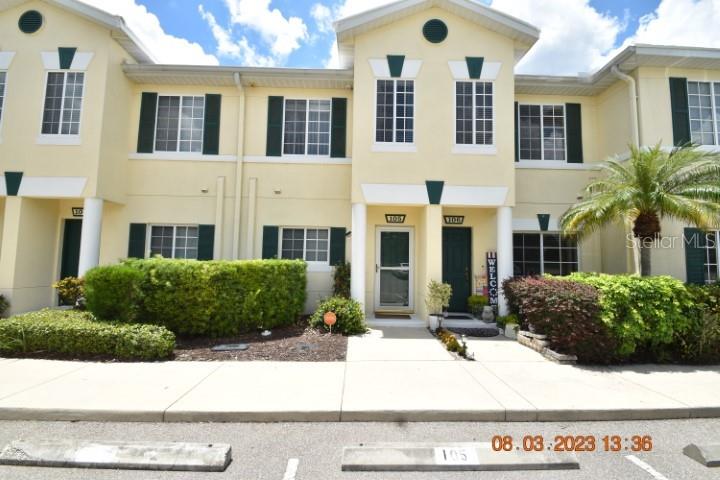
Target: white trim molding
[[474, 149], [452, 195], [6, 59], [461, 196], [395, 194], [182, 157], [533, 225], [57, 139], [381, 69], [459, 70], [3, 188], [394, 147], [554, 165], [298, 159], [81, 60], [52, 187]]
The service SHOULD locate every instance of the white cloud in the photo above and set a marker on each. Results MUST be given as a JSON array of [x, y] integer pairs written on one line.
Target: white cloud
[[574, 36], [146, 25], [280, 35], [690, 23], [237, 49], [323, 17]]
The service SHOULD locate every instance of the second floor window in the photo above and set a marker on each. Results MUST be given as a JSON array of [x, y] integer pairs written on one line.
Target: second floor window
[[179, 125], [63, 103], [474, 113], [307, 127], [395, 111], [3, 76], [704, 103], [542, 132]]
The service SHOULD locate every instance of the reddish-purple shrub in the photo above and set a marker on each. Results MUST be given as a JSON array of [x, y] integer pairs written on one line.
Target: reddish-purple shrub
[[567, 312]]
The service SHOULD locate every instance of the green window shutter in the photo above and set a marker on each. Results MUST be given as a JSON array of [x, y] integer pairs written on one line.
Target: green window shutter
[[339, 128], [395, 64], [274, 126], [517, 133], [573, 132], [206, 242], [680, 110], [136, 245], [66, 56], [337, 246], [474, 65], [211, 131], [695, 255], [270, 241], [146, 130]]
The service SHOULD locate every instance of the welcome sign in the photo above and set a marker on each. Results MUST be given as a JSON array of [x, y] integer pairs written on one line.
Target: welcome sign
[[492, 275]]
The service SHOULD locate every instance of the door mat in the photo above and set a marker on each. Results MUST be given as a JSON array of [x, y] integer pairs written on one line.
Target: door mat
[[476, 332], [392, 316], [459, 316]]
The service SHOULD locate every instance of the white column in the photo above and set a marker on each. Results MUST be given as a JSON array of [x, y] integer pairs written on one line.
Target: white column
[[504, 253], [359, 237], [90, 235]]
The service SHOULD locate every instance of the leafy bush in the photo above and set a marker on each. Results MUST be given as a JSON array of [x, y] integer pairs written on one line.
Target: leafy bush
[[511, 319], [700, 342], [113, 292], [437, 297], [476, 303], [218, 298], [77, 334], [4, 305], [567, 312], [341, 280], [350, 317], [643, 313], [70, 290]]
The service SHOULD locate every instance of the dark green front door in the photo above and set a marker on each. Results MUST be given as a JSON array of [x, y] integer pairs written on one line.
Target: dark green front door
[[70, 248], [457, 265]]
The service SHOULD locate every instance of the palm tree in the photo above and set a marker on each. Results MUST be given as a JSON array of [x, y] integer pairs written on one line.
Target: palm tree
[[682, 184]]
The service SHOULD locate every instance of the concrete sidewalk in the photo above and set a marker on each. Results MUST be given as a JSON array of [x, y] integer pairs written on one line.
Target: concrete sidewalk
[[391, 375]]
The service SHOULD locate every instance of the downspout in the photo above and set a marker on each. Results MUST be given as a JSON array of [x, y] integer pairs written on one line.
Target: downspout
[[237, 211], [635, 127]]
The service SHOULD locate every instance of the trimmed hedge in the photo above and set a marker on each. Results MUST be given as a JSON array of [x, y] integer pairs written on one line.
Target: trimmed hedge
[[350, 316], [567, 312], [77, 334], [191, 298], [609, 318]]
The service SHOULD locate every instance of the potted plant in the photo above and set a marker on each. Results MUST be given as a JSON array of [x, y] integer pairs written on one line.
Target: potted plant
[[476, 304], [436, 300]]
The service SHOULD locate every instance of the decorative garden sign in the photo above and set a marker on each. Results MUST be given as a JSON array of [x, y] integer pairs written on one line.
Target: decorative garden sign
[[491, 260]]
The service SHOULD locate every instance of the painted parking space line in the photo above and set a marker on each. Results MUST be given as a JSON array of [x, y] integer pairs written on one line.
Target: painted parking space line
[[646, 467], [291, 469]]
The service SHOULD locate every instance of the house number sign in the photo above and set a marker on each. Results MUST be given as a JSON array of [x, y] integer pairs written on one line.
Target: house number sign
[[77, 211], [394, 218], [454, 219]]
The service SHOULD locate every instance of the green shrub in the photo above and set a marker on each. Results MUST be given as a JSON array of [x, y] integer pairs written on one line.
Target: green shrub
[[341, 280], [511, 319], [451, 342], [4, 305], [350, 317], [218, 298], [567, 312], [113, 292], [76, 334], [644, 314], [476, 303], [70, 290]]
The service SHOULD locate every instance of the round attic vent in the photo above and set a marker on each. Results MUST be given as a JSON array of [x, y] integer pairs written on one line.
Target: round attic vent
[[30, 21], [435, 31]]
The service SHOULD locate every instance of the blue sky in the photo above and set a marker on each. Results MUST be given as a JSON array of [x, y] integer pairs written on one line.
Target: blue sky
[[577, 35]]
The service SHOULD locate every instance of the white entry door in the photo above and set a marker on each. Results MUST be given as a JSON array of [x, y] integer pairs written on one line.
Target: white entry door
[[394, 269]]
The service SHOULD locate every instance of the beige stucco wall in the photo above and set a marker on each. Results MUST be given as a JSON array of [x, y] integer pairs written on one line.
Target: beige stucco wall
[[434, 106]]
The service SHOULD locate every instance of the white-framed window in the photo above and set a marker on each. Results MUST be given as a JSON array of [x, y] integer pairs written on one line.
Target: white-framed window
[[395, 111], [174, 241], [474, 113], [541, 132], [309, 244], [538, 253], [307, 127], [704, 111], [179, 124], [712, 253], [3, 80], [63, 103]]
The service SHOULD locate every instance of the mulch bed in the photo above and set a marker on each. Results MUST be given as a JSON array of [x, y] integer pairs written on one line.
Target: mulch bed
[[295, 343]]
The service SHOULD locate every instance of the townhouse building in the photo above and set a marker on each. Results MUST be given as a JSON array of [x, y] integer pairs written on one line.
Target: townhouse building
[[424, 157]]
